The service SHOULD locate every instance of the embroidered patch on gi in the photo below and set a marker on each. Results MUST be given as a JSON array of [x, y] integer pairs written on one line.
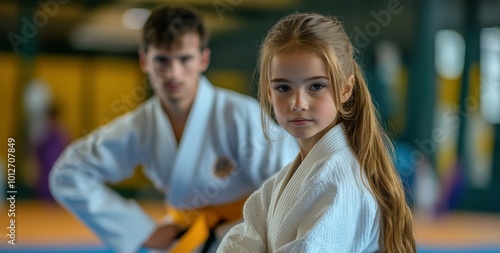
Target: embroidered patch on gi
[[224, 167]]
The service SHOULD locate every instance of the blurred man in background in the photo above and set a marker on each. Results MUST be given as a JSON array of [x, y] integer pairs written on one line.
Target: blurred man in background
[[202, 146]]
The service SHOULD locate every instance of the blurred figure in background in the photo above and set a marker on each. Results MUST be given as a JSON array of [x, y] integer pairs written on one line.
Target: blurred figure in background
[[419, 179], [46, 137], [200, 145], [45, 152]]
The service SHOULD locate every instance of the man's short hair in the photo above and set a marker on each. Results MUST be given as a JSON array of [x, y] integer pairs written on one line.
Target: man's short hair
[[167, 24]]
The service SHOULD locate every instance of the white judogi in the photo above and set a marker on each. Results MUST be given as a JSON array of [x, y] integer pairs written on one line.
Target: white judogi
[[323, 207], [222, 126]]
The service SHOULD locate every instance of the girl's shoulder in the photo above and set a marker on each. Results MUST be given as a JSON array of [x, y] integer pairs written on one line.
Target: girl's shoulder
[[338, 168], [338, 161]]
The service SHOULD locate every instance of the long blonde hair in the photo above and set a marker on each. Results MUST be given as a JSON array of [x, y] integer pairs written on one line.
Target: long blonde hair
[[325, 36]]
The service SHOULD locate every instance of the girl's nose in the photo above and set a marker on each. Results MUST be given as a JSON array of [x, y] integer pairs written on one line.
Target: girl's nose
[[299, 103]]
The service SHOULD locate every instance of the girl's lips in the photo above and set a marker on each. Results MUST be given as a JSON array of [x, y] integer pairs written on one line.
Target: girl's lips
[[300, 121]]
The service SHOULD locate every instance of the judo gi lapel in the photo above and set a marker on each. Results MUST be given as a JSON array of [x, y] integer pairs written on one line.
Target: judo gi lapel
[[280, 200], [331, 142], [283, 183], [190, 147]]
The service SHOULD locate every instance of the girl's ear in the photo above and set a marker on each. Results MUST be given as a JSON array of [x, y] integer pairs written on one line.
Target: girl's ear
[[347, 89], [269, 96]]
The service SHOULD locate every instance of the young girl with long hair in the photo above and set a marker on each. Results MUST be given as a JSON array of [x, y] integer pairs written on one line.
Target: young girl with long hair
[[342, 192]]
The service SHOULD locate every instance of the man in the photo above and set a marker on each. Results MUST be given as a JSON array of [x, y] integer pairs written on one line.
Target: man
[[201, 145]]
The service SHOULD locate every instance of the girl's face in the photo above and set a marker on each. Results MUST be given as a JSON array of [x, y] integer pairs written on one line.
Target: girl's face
[[301, 95]]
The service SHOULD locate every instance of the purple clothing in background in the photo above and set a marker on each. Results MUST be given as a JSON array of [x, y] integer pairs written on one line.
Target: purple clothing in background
[[47, 150]]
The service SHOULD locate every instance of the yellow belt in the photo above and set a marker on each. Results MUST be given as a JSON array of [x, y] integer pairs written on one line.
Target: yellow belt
[[200, 221]]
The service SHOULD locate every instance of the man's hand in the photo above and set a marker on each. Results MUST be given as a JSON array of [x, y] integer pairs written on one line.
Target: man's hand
[[163, 236]]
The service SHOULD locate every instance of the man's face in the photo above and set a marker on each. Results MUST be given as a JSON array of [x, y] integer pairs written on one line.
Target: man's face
[[174, 71]]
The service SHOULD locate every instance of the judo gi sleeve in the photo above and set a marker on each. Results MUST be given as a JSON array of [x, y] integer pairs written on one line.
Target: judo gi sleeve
[[78, 181], [251, 235]]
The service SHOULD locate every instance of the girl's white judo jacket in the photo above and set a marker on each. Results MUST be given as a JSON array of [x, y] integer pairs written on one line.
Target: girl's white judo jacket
[[323, 207]]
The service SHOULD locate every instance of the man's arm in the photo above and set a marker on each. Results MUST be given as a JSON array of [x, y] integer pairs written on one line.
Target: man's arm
[[163, 236], [78, 181]]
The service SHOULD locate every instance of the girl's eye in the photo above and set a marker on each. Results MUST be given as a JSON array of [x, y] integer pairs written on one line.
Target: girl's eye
[[282, 88], [317, 86]]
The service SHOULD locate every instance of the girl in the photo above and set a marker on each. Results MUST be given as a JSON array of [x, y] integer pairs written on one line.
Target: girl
[[342, 193]]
